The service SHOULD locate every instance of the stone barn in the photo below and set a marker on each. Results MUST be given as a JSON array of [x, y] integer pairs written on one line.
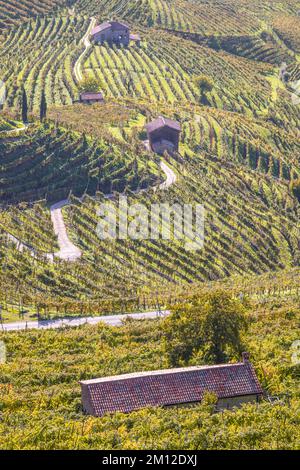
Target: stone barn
[[111, 32], [163, 135], [88, 97], [233, 385]]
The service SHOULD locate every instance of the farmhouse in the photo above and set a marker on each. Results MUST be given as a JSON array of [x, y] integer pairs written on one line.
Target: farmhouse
[[88, 97], [233, 384], [111, 32], [163, 135]]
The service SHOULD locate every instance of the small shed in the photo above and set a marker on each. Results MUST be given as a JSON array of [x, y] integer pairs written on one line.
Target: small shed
[[233, 384], [164, 135], [88, 97], [111, 32]]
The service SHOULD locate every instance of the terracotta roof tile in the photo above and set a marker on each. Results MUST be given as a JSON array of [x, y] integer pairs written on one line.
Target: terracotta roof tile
[[100, 27], [161, 122], [130, 392], [87, 95], [106, 25]]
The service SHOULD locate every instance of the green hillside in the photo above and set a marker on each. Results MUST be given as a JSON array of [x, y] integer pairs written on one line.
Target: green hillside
[[228, 72]]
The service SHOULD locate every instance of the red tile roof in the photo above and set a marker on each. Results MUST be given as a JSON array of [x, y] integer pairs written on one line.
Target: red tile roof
[[88, 95], [130, 392], [100, 27], [108, 24], [161, 122]]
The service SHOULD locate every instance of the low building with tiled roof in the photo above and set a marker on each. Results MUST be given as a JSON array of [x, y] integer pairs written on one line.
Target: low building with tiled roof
[[233, 384], [90, 97], [163, 135]]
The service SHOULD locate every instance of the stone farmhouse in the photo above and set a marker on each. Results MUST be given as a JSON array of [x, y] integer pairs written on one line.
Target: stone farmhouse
[[163, 135], [114, 32], [233, 385]]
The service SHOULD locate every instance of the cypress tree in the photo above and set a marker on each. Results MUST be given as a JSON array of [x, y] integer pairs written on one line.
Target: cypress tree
[[24, 106], [43, 107]]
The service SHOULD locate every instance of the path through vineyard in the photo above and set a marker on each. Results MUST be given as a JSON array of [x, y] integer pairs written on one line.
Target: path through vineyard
[[112, 320], [87, 44], [171, 177], [68, 251]]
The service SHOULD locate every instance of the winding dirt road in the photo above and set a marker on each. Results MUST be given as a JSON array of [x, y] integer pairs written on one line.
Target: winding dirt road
[[87, 44], [171, 176], [68, 251]]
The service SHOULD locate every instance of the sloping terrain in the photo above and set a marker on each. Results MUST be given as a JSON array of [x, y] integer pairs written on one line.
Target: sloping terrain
[[13, 12], [228, 72], [239, 152]]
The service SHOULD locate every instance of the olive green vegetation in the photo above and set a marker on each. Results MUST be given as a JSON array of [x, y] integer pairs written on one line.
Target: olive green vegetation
[[90, 84], [48, 162], [40, 394], [219, 76], [208, 329]]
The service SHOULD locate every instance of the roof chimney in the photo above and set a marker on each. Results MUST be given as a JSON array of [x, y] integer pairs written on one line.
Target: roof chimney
[[246, 357]]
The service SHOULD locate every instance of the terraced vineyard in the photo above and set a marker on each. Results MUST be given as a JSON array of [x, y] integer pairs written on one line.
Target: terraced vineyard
[[13, 12], [244, 194], [243, 140], [164, 70], [288, 29], [238, 153], [49, 163], [40, 54], [227, 71], [31, 224], [192, 15], [251, 223], [261, 48]]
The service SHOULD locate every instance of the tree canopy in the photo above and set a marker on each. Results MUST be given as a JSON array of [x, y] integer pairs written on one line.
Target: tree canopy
[[207, 330], [90, 84]]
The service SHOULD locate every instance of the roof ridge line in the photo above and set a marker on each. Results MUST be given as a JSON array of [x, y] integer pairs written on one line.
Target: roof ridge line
[[163, 372]]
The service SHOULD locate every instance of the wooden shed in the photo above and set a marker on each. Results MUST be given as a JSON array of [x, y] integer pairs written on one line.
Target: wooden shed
[[164, 135], [89, 97]]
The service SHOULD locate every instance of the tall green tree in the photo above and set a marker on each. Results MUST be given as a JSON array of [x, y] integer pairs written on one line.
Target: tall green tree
[[24, 105], [90, 84], [205, 85], [43, 107], [208, 329]]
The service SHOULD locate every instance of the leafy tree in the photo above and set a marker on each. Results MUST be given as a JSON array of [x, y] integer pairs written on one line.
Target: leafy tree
[[90, 84], [205, 85], [208, 329]]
